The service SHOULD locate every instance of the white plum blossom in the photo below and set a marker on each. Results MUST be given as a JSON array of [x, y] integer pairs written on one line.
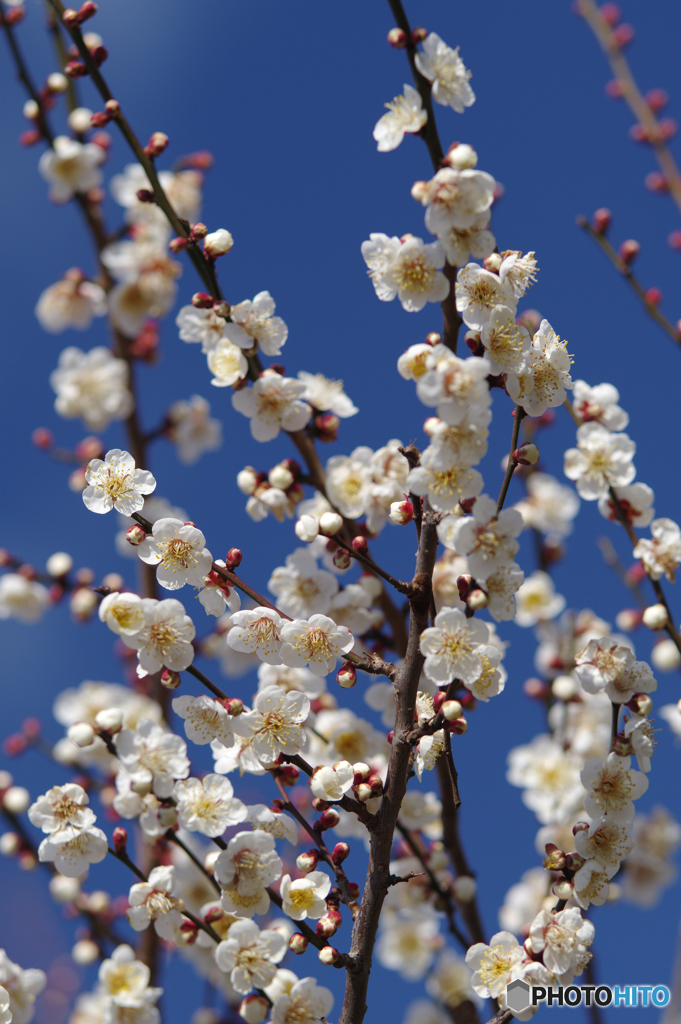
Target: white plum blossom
[[461, 243], [22, 599], [193, 429], [254, 321], [563, 939], [405, 115], [451, 647], [495, 965], [71, 167], [152, 901], [250, 956], [611, 787], [165, 639], [606, 665], [478, 291], [524, 900], [179, 551], [378, 254], [501, 588], [125, 979], [115, 483], [305, 1003], [409, 941], [415, 275], [205, 719], [326, 395], [62, 806], [271, 820], [591, 884], [305, 897], [449, 76], [488, 539], [183, 189], [201, 325], [541, 384], [154, 508], [647, 870], [257, 631], [83, 704], [537, 600], [72, 849], [274, 726], [288, 679], [458, 203], [507, 343], [316, 642], [444, 488], [661, 555], [227, 363], [347, 477], [301, 587], [244, 870], [5, 1012], [122, 613], [549, 777], [605, 841], [599, 405], [492, 678], [635, 502], [519, 271], [456, 387], [273, 404], [150, 756], [548, 505], [600, 460], [208, 805], [71, 302], [22, 987], [350, 607], [640, 733], [93, 386], [331, 782], [412, 364]]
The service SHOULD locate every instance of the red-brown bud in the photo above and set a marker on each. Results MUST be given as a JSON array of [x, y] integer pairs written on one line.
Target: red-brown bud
[[397, 37], [419, 34], [201, 300], [346, 675], [100, 119], [340, 852], [656, 182], [459, 726], [135, 535], [329, 819], [601, 220], [628, 251], [623, 34], [70, 17], [360, 545], [327, 427], [288, 774], [14, 15], [99, 55], [156, 144], [87, 10], [657, 99], [308, 861], [319, 804], [74, 69], [120, 840], [297, 943], [353, 890], [145, 195], [610, 13], [43, 438], [233, 559], [170, 679], [654, 296], [234, 706], [341, 558], [325, 927]]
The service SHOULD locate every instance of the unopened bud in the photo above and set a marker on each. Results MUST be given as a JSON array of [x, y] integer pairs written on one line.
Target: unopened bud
[[397, 37], [70, 17], [341, 559], [419, 191], [247, 479], [327, 427], [564, 687], [346, 675], [288, 774], [186, 934], [419, 34], [100, 119], [307, 529], [493, 262], [653, 296], [135, 535], [16, 800], [461, 157], [217, 243], [110, 720], [451, 710], [340, 852], [307, 861], [464, 584], [526, 455], [562, 888], [31, 110], [254, 1009], [601, 220], [477, 599], [641, 704], [360, 545], [318, 804], [297, 943], [554, 859], [281, 477], [234, 706], [57, 82], [665, 656], [170, 679], [353, 890], [328, 955], [120, 840], [362, 771], [87, 10], [85, 952], [329, 819], [199, 231], [80, 120], [363, 792], [74, 69], [655, 617], [464, 888], [233, 559], [156, 144], [376, 784], [10, 844], [401, 513], [459, 726], [628, 251], [330, 523], [202, 300], [326, 927], [81, 733]]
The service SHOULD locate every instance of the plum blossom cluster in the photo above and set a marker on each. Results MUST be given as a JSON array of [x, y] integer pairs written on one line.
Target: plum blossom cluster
[[122, 991]]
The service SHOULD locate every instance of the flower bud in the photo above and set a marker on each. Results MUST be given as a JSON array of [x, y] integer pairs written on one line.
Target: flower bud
[[464, 888], [247, 480], [363, 792], [419, 191], [99, 119], [574, 861], [461, 157], [85, 952], [233, 559], [346, 675], [360, 545], [327, 427], [57, 82], [16, 799], [376, 784], [112, 107], [554, 859], [419, 34], [10, 844], [234, 706], [397, 37], [665, 656], [186, 934], [297, 943], [120, 840], [326, 927], [340, 852], [341, 559], [493, 262], [135, 535], [170, 679], [362, 771], [628, 251], [217, 243], [353, 890], [328, 955], [459, 726], [563, 687], [401, 513], [202, 300], [156, 144], [31, 110], [451, 710], [87, 10], [280, 477], [318, 804], [653, 296], [83, 604], [81, 733], [329, 819], [601, 220], [655, 616], [562, 888], [288, 774], [254, 1009], [526, 455], [330, 523], [80, 120], [74, 69], [59, 564], [477, 599], [307, 861], [63, 889], [70, 17], [110, 720]]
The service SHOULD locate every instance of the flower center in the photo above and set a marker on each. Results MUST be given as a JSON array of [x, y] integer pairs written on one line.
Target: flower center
[[177, 555], [302, 899], [414, 274]]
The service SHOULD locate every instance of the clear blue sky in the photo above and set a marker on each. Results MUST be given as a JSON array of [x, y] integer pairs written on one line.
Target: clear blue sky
[[286, 97]]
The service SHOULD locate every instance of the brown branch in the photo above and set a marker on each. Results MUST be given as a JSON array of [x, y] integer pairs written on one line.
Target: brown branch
[[444, 895], [512, 464], [215, 690]]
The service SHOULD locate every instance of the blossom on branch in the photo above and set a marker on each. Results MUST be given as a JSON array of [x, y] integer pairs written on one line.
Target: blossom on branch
[[93, 386], [208, 805], [151, 901], [116, 483], [316, 642], [273, 404], [449, 76], [165, 639], [179, 550], [405, 116]]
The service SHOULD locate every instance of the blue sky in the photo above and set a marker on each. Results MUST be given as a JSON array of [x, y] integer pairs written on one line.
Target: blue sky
[[286, 97]]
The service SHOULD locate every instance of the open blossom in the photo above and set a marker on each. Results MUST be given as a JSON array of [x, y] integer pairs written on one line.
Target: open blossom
[[250, 956], [274, 726], [305, 897], [273, 821], [123, 613], [635, 502], [205, 719], [600, 460], [254, 321], [611, 787], [591, 884], [124, 978], [93, 386], [183, 189], [208, 805], [331, 782], [216, 594], [519, 271], [244, 870], [415, 275], [201, 325], [478, 291], [116, 483], [71, 302], [378, 254], [456, 387], [326, 395], [461, 243], [405, 114], [501, 588], [273, 404], [347, 477], [537, 600], [150, 756], [62, 806], [456, 199], [304, 1003], [494, 965], [599, 405], [444, 488], [492, 678], [257, 631], [301, 587], [541, 384], [661, 555], [563, 939], [507, 343], [193, 429], [449, 76], [486, 538], [605, 841], [548, 506], [22, 599], [151, 901], [316, 642], [227, 363], [287, 679], [71, 167], [451, 647], [606, 665], [72, 849], [165, 639], [22, 987], [408, 941], [179, 550], [549, 777]]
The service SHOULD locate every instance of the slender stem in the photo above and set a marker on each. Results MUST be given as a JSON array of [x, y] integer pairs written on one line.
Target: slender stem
[[444, 895], [25, 77], [367, 560], [615, 725], [512, 464], [215, 690], [173, 837]]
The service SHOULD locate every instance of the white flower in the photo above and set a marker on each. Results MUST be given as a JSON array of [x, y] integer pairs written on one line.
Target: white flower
[[415, 274], [350, 738], [662, 554], [273, 821], [288, 679], [518, 270], [444, 488], [537, 599], [115, 483], [635, 501], [591, 884], [151, 901], [150, 756], [71, 302], [421, 812], [193, 430], [123, 978], [253, 322], [350, 608], [208, 805], [478, 291], [179, 550], [647, 870], [412, 364], [71, 167], [326, 395], [154, 508], [332, 782], [123, 613], [201, 325], [611, 787], [93, 386], [378, 254], [405, 114], [494, 965], [5, 1012], [541, 384], [524, 900], [347, 477], [165, 639], [549, 776], [317, 642], [22, 599], [305, 897], [386, 482], [507, 344], [62, 806], [487, 538], [227, 363], [183, 189], [305, 1003], [492, 679], [449, 981], [640, 732], [451, 647], [563, 939], [22, 986], [273, 404], [244, 870], [475, 241], [257, 631], [250, 956], [605, 841], [444, 68], [205, 719], [548, 506], [501, 589], [407, 943], [456, 387], [73, 849], [464, 443], [600, 460], [302, 588], [274, 725], [599, 405], [458, 203], [83, 704], [605, 665]]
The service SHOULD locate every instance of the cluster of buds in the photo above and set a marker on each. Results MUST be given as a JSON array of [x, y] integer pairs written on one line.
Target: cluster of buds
[[366, 784], [566, 866], [106, 724], [279, 489], [473, 596], [452, 711], [329, 924]]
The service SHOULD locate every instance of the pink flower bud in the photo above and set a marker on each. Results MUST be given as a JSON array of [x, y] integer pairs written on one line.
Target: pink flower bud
[[234, 706], [288, 774], [233, 559], [397, 37], [390, 736], [526, 455], [99, 55], [70, 17], [601, 220], [653, 296], [87, 10], [74, 69], [307, 861], [156, 144], [327, 427], [401, 513], [657, 99], [433, 338], [477, 599], [170, 679], [628, 251], [459, 726], [376, 784], [328, 955], [15, 15], [580, 826], [135, 535], [464, 584], [623, 34], [43, 438], [641, 704], [326, 927], [362, 771], [297, 943], [610, 13], [217, 243], [341, 559], [100, 119], [656, 182], [363, 792], [340, 852], [360, 545], [28, 138], [201, 300], [353, 890], [120, 840], [318, 804], [329, 819], [346, 675], [419, 34], [254, 1009]]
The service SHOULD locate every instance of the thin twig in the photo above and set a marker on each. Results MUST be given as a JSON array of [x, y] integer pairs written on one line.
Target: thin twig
[[512, 464]]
